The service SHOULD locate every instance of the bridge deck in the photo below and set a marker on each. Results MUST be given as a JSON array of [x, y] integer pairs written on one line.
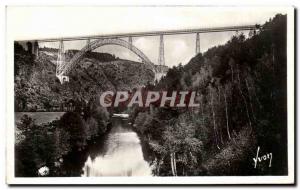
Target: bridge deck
[[155, 33]]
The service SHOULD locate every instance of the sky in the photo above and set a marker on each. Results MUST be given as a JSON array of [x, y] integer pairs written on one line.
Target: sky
[[58, 22]]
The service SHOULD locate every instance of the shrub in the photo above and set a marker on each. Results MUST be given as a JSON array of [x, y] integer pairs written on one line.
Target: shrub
[[73, 124]]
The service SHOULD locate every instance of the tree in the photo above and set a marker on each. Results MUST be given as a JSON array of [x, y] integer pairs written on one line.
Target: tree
[[72, 123]]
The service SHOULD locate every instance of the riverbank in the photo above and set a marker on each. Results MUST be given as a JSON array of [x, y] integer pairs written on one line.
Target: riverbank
[[42, 144]]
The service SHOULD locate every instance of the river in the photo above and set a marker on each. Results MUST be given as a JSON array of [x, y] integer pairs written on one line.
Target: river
[[119, 152]]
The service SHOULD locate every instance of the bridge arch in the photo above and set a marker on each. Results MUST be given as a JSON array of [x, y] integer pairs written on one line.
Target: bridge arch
[[65, 68]]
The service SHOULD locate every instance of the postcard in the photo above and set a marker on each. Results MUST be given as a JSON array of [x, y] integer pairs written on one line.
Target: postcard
[[150, 95]]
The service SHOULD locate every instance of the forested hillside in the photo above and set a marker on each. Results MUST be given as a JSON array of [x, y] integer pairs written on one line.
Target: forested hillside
[[242, 90], [38, 89]]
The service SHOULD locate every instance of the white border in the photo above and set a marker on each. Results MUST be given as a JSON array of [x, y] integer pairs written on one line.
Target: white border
[[10, 179]]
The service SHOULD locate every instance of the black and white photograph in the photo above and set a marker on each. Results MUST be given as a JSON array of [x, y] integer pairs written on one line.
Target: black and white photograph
[[150, 95]]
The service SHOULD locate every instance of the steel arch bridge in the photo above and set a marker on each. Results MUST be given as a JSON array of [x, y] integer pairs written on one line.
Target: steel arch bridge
[[64, 67]]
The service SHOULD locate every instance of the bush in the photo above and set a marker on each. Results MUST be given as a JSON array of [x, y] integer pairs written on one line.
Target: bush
[[37, 148], [73, 124]]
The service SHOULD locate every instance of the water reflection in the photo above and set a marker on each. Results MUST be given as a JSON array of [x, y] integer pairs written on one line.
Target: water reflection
[[121, 155]]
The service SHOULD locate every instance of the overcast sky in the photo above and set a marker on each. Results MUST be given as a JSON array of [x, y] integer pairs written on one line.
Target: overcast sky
[[57, 22]]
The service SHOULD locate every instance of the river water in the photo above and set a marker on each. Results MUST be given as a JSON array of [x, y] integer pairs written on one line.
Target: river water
[[117, 153]]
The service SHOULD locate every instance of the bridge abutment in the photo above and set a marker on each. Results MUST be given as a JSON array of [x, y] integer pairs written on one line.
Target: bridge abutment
[[63, 78]]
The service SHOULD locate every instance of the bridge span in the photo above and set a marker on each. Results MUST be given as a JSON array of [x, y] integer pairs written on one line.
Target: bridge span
[[63, 67]]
